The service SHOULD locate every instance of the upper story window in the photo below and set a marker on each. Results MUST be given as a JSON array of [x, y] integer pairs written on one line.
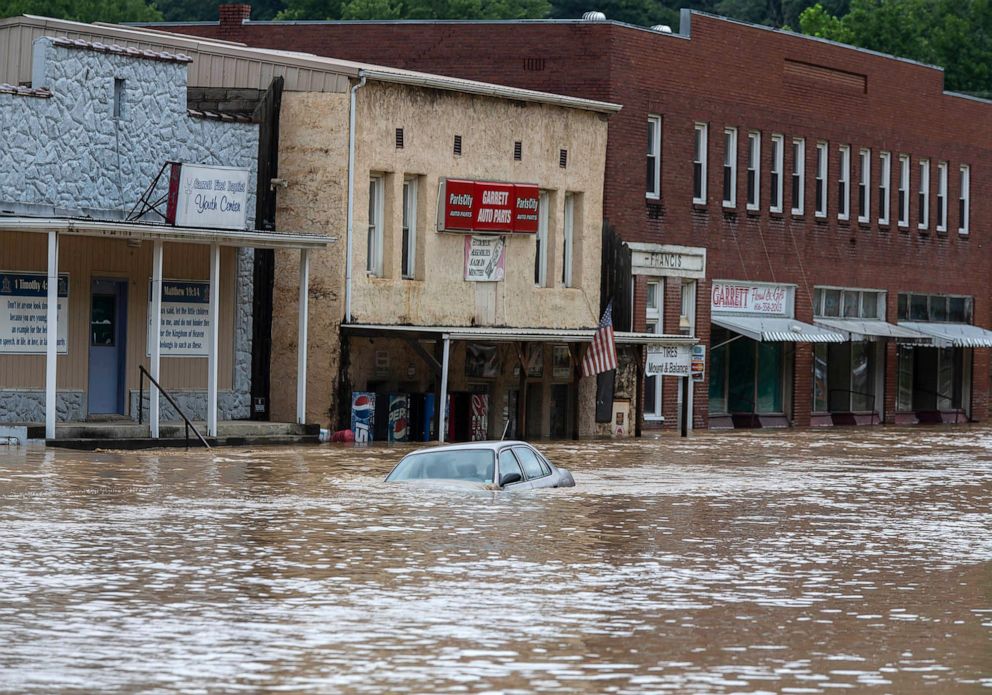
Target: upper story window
[[730, 167], [699, 165], [653, 187], [409, 251], [964, 210], [798, 176], [838, 302], [821, 179], [924, 195], [864, 180], [844, 183], [753, 170], [942, 197], [374, 241], [934, 307], [541, 243], [884, 181], [778, 155], [903, 190], [568, 240]]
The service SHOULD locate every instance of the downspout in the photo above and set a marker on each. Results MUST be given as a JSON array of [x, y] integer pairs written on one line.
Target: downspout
[[351, 196]]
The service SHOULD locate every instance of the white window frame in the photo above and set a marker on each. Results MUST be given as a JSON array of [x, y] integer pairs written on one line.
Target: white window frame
[[844, 183], [941, 196], [730, 162], [904, 190], [822, 167], [568, 240], [654, 153], [964, 200], [541, 242], [923, 193], [701, 134], [778, 163], [657, 315], [884, 187], [374, 240], [409, 228], [798, 171], [754, 170], [864, 184]]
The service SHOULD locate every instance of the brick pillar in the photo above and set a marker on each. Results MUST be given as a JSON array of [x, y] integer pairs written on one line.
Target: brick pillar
[[891, 381], [232, 16], [980, 384], [700, 403], [802, 380]]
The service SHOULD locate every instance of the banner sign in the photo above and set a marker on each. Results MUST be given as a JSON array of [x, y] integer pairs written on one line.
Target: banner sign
[[750, 298], [484, 206], [697, 367], [485, 258], [207, 196], [185, 318], [668, 360], [24, 313]]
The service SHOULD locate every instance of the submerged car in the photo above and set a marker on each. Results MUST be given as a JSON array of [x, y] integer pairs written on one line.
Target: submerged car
[[492, 465]]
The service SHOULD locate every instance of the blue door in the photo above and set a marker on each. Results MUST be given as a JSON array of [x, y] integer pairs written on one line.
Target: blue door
[[108, 333]]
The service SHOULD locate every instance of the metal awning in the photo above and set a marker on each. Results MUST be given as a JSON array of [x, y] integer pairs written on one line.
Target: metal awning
[[952, 334], [493, 334], [247, 238], [868, 329], [777, 329]]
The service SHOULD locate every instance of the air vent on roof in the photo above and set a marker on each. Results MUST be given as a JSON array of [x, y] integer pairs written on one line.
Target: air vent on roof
[[399, 138], [594, 16], [563, 158], [518, 150], [663, 28], [458, 144]]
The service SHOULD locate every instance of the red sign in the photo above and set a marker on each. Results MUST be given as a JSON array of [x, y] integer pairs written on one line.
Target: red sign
[[484, 206]]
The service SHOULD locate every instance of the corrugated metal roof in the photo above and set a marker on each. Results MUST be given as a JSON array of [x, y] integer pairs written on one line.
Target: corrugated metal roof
[[866, 329], [504, 334], [952, 334], [777, 329]]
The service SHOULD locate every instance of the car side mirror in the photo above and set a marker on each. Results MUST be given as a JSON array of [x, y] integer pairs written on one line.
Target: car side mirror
[[509, 479]]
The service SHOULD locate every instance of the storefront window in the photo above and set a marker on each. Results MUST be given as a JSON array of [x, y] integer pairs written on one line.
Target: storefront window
[[718, 372], [820, 378], [740, 376], [862, 377], [769, 377], [904, 378], [844, 377]]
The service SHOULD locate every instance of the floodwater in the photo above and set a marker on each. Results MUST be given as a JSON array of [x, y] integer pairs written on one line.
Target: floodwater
[[788, 562]]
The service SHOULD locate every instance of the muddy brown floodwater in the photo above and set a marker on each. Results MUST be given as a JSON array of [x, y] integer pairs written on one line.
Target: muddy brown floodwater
[[792, 562]]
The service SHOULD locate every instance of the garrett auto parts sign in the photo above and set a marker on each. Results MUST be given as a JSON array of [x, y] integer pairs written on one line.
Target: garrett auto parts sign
[[488, 206]]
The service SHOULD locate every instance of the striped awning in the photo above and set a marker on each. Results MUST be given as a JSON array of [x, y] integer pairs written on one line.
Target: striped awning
[[952, 334], [777, 329], [868, 329]]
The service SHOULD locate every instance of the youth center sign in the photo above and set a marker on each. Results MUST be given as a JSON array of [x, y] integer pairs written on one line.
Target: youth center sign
[[486, 206], [24, 313], [185, 318], [207, 196]]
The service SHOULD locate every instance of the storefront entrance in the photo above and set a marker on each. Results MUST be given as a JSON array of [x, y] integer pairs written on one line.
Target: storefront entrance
[[747, 378], [107, 347], [934, 383], [847, 382]]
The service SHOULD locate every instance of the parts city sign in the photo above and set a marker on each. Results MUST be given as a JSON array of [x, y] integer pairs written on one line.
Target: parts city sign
[[486, 206], [207, 197]]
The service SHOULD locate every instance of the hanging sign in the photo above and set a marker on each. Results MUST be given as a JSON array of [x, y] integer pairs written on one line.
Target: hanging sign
[[185, 318], [750, 298], [697, 366], [24, 313], [484, 206], [207, 196], [485, 258], [668, 360]]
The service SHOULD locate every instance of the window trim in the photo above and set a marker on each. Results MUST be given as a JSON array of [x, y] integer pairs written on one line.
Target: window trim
[[374, 239], [654, 125], [884, 187], [778, 163], [541, 241], [964, 200], [923, 193], [730, 162], [754, 169], [799, 172], [903, 220], [701, 133], [844, 181], [409, 228], [941, 196], [864, 184], [568, 240]]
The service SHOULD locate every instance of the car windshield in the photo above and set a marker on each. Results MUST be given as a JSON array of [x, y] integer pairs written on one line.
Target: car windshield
[[466, 464]]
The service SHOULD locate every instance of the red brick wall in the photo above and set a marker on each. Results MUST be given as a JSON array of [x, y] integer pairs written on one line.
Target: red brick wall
[[730, 74]]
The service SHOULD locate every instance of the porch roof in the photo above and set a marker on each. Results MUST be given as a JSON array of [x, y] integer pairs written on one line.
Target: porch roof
[[777, 329], [952, 334], [866, 329], [495, 334]]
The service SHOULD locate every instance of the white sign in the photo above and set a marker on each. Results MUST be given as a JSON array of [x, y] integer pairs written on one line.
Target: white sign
[[485, 258], [211, 197], [667, 260], [24, 313], [668, 360], [750, 298], [185, 318]]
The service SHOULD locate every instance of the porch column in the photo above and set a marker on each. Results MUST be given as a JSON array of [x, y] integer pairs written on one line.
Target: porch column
[[155, 349], [52, 334], [301, 347], [442, 423], [212, 340]]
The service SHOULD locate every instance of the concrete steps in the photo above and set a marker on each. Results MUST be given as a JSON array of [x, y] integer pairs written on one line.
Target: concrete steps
[[125, 434]]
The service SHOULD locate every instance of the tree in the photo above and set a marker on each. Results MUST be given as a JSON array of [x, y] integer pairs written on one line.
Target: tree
[[84, 10], [199, 11], [415, 9]]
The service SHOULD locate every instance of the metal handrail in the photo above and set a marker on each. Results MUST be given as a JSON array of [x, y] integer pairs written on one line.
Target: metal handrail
[[141, 405], [874, 413]]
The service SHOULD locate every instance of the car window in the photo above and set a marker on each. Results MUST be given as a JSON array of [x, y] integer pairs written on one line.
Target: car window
[[474, 466], [530, 462], [508, 464]]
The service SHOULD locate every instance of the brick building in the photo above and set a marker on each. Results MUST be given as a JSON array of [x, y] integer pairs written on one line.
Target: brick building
[[835, 198]]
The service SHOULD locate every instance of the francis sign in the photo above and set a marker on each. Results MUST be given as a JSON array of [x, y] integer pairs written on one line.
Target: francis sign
[[486, 206], [185, 318], [24, 313], [668, 360], [208, 197]]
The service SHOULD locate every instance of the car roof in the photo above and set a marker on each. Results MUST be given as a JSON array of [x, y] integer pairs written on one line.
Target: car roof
[[473, 446]]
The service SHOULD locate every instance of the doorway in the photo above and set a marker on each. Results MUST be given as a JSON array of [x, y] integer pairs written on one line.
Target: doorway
[[107, 347]]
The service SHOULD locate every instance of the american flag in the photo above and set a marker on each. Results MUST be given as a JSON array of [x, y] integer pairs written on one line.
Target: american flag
[[602, 353]]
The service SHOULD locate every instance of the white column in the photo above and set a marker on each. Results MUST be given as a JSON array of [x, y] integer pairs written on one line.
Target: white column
[[155, 336], [52, 334], [441, 422], [212, 344], [301, 347]]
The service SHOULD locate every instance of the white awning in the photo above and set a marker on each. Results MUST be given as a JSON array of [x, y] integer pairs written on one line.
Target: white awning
[[777, 329], [952, 334], [502, 334], [867, 329]]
